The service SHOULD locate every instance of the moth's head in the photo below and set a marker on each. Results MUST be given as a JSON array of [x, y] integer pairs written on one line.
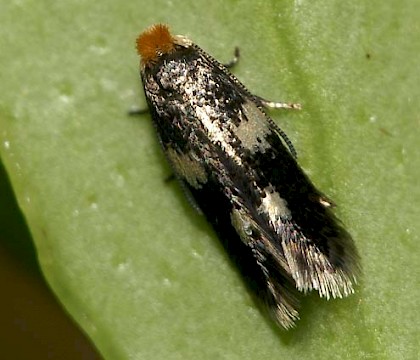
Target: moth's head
[[157, 41]]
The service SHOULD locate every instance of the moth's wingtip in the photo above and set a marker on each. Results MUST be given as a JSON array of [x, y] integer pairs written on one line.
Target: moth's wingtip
[[285, 318], [330, 285], [284, 309]]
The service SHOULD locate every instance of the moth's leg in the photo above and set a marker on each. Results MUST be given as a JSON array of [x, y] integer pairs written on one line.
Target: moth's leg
[[235, 59], [138, 111], [277, 104]]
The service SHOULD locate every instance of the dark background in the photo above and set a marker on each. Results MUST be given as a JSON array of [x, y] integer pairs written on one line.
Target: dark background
[[33, 324]]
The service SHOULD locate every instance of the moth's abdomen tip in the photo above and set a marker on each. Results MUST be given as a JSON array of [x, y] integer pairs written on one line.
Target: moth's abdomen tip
[[154, 42]]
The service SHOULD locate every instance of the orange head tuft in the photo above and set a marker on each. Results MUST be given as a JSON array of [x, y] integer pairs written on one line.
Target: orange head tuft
[[153, 42]]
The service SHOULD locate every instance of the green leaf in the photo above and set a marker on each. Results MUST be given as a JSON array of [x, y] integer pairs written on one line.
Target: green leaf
[[139, 270]]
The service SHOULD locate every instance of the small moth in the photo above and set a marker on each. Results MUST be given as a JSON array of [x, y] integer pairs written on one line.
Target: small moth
[[239, 169]]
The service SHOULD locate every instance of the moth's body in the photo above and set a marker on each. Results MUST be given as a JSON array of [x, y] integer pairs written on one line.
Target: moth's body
[[231, 159]]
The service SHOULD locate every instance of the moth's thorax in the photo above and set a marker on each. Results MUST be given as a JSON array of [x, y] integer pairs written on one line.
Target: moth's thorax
[[189, 79], [187, 87]]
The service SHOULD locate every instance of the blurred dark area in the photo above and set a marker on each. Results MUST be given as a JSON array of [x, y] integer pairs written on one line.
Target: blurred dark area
[[33, 324]]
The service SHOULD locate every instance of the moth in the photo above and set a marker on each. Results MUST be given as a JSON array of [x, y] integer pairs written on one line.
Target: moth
[[240, 170]]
